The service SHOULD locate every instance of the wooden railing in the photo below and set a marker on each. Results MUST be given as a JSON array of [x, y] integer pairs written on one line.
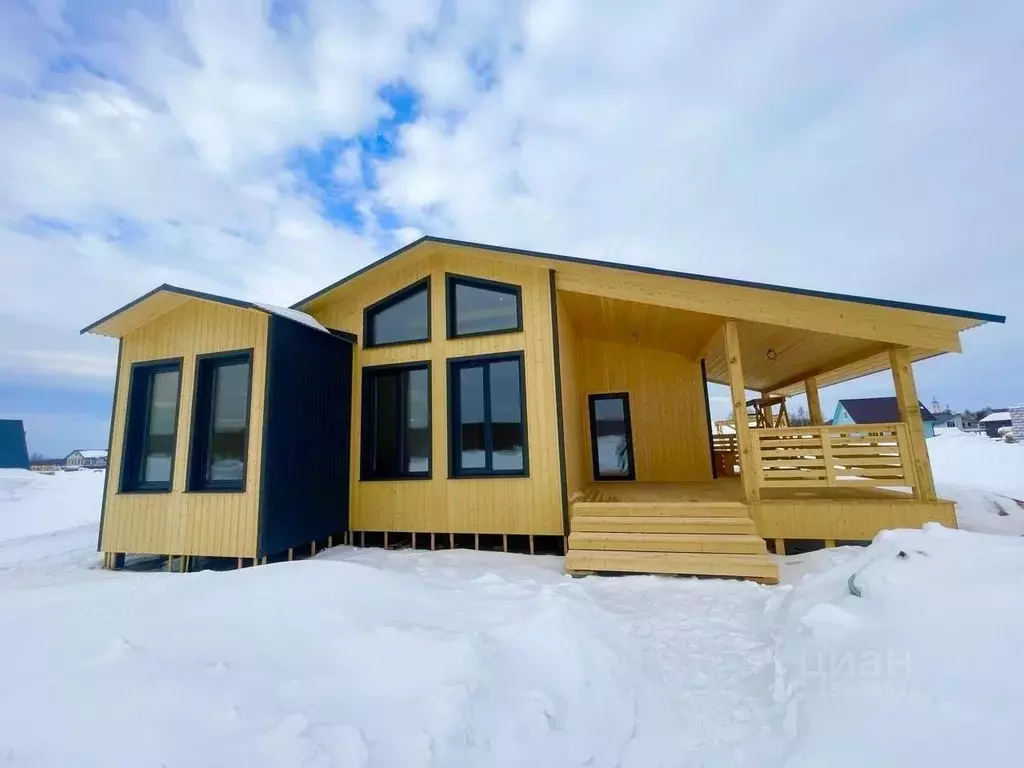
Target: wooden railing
[[726, 452], [831, 457]]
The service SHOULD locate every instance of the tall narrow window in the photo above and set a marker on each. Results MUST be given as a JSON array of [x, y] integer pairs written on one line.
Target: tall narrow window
[[611, 439], [487, 416], [151, 427], [220, 424], [396, 422], [476, 307], [402, 318]]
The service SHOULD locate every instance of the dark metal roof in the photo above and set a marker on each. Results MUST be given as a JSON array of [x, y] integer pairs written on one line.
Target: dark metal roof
[[878, 410], [980, 316]]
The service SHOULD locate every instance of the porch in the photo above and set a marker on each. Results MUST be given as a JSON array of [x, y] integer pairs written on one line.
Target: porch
[[767, 481]]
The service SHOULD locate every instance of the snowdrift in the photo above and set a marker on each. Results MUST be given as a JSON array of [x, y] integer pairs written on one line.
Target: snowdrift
[[922, 669], [316, 663]]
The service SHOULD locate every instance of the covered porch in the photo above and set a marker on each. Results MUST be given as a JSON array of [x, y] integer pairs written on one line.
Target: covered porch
[[769, 479]]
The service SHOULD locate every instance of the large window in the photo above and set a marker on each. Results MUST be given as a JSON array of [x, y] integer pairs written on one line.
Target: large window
[[402, 318], [151, 427], [220, 423], [487, 416], [478, 306], [396, 422]]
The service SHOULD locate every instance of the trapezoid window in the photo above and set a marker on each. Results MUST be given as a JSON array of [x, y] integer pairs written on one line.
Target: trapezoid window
[[401, 318], [477, 306]]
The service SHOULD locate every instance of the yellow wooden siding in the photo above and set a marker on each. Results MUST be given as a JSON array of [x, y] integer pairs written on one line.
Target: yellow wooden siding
[[215, 524], [854, 520], [666, 402], [530, 505], [577, 458]]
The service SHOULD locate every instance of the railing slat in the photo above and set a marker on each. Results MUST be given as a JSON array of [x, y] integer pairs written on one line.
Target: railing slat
[[833, 456]]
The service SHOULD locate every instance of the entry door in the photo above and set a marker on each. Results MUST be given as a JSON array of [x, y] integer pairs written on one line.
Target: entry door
[[611, 437]]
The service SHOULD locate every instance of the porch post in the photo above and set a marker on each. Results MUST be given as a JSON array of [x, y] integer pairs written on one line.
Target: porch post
[[813, 401], [748, 469], [910, 414]]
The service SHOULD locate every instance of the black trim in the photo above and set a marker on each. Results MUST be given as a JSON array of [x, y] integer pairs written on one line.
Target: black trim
[[559, 416], [624, 397], [110, 446], [365, 410], [457, 363], [451, 280], [350, 337], [198, 454], [129, 448], [707, 411], [389, 300], [981, 316]]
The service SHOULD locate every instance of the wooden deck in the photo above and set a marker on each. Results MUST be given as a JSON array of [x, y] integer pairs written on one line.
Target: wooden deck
[[705, 528]]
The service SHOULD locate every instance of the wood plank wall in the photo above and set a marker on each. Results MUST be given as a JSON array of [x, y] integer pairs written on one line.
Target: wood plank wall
[[179, 523], [517, 505], [666, 400], [578, 471]]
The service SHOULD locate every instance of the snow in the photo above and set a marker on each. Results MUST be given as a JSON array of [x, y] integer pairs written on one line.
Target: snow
[[33, 504], [294, 315], [923, 669], [985, 478], [368, 657], [996, 416]]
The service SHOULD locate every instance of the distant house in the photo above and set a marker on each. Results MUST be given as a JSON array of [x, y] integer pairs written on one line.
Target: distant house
[[996, 421], [87, 459], [876, 410], [950, 420], [13, 449]]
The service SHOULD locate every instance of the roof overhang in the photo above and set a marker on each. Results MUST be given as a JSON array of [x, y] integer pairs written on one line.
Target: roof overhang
[[167, 298], [962, 319]]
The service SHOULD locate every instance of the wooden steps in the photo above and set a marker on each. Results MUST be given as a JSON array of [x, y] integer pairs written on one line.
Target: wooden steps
[[658, 509], [735, 544], [663, 524], [759, 567], [685, 538]]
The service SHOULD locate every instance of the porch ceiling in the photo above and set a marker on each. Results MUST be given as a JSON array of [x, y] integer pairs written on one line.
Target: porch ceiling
[[775, 358], [640, 325]]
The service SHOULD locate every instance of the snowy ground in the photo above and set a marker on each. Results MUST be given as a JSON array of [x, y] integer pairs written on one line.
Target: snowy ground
[[374, 658]]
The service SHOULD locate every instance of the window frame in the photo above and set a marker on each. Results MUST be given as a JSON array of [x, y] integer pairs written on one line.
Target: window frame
[[456, 364], [628, 421], [132, 441], [366, 435], [452, 280], [391, 300], [198, 453]]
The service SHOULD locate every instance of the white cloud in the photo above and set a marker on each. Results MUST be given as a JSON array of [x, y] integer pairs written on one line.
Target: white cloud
[[866, 149]]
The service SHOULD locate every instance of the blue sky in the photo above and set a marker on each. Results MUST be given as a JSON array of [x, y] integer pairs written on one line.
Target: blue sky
[[263, 150]]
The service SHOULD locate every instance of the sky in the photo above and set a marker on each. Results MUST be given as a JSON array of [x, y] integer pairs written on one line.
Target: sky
[[263, 150]]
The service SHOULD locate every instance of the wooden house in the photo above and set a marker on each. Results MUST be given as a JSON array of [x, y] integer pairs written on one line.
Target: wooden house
[[872, 410], [457, 394], [95, 458]]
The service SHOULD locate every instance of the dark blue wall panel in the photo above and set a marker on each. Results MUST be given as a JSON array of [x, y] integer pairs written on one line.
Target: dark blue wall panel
[[306, 436], [13, 452]]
